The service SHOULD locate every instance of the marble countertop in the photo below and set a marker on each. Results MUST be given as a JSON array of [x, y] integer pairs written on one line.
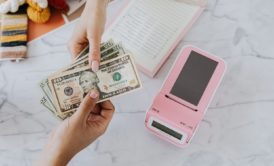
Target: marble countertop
[[238, 129]]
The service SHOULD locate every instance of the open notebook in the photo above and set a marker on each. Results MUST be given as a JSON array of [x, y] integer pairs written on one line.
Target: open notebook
[[151, 29]]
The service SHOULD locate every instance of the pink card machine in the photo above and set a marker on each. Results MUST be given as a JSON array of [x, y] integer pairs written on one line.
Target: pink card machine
[[180, 106]]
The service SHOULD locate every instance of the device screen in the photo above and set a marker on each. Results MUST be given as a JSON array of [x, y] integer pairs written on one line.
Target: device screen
[[193, 78], [167, 130]]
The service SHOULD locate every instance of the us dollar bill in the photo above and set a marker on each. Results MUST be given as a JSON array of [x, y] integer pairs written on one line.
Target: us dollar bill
[[81, 61], [83, 58], [44, 85], [117, 51], [109, 50], [104, 46], [44, 101], [83, 53], [113, 50], [115, 77]]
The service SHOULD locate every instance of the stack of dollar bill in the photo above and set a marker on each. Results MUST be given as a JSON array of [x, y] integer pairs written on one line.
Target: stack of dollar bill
[[65, 89]]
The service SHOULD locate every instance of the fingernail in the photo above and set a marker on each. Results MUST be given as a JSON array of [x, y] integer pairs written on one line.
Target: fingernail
[[93, 94], [95, 66]]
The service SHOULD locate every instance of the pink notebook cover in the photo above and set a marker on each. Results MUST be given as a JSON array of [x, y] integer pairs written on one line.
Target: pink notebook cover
[[173, 46]]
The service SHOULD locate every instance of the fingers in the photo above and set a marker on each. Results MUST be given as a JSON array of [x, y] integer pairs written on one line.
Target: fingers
[[78, 41], [107, 110], [107, 105], [96, 110], [87, 105], [75, 49], [94, 52]]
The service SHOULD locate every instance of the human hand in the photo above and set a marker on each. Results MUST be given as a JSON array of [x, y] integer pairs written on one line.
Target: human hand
[[75, 133], [89, 31]]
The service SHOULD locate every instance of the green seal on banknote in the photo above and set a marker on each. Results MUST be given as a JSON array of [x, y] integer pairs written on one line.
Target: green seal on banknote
[[117, 76]]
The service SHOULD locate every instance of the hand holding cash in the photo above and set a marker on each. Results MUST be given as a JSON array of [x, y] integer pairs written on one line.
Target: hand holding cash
[[65, 89], [85, 126], [89, 30]]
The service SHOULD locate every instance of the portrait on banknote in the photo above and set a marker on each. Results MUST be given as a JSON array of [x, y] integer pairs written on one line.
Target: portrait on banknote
[[88, 80]]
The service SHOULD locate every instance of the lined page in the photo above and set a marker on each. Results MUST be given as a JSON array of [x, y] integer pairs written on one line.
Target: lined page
[[148, 28]]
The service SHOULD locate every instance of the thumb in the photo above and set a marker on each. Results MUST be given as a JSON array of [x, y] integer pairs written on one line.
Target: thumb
[[87, 104], [94, 53]]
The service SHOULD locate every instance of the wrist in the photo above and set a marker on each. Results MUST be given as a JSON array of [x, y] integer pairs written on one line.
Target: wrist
[[97, 7], [97, 3], [61, 159], [53, 158]]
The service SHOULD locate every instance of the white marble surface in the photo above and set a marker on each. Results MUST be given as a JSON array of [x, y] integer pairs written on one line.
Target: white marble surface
[[238, 129]]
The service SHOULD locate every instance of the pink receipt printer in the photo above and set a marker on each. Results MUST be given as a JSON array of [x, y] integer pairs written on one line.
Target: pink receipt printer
[[179, 107]]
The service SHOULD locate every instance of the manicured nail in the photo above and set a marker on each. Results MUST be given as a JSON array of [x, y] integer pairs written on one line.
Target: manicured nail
[[93, 94], [95, 66]]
